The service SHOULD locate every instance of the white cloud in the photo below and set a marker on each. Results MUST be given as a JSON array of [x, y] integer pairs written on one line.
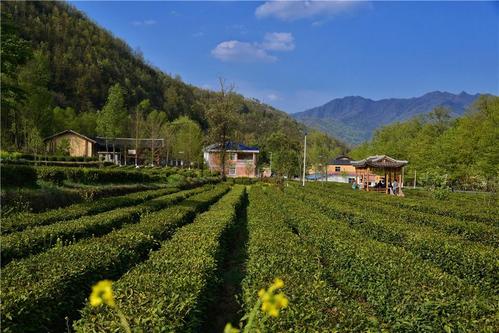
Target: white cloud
[[238, 51], [234, 50], [278, 41], [144, 23], [295, 10]]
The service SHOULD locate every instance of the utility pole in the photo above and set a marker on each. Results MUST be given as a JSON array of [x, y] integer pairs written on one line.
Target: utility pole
[[304, 159], [270, 164]]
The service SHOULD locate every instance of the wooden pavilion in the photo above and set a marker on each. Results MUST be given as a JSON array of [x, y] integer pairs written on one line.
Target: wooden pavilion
[[369, 168]]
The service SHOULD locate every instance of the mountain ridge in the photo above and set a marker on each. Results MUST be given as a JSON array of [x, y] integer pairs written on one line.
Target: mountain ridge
[[355, 118]]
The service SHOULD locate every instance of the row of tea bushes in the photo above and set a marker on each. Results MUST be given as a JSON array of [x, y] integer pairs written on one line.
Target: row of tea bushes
[[477, 232], [58, 175], [21, 244], [61, 163], [36, 200], [16, 156], [43, 292], [473, 262], [28, 220], [406, 292], [467, 211], [17, 175], [276, 250], [175, 279]]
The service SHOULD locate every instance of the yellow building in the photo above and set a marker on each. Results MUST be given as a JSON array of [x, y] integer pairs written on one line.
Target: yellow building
[[341, 170], [76, 143]]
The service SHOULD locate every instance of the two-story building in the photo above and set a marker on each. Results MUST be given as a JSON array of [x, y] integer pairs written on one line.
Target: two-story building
[[341, 170], [240, 160]]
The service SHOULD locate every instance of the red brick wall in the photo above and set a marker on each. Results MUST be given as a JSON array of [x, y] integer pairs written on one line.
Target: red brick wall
[[242, 167]]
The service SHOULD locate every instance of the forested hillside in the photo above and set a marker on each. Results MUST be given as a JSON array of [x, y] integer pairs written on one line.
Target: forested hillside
[[60, 69], [442, 150]]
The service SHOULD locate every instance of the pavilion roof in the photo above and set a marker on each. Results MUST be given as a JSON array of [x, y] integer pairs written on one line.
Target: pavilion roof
[[379, 161]]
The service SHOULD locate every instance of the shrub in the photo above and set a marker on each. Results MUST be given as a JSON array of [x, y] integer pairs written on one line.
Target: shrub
[[17, 175], [91, 175]]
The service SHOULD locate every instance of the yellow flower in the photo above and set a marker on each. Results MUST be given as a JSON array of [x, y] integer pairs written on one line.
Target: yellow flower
[[278, 283], [230, 329], [102, 293], [272, 303]]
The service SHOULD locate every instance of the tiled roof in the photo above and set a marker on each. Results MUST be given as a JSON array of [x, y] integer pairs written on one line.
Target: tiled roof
[[341, 160], [69, 132], [230, 146], [380, 161]]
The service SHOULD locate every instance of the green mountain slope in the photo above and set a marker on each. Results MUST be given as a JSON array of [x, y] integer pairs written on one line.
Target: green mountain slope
[[84, 61], [354, 119]]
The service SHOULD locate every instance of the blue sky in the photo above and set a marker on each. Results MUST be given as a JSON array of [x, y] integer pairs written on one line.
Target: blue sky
[[297, 55]]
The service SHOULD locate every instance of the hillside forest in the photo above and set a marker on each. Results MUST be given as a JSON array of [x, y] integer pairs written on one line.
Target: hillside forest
[[62, 71]]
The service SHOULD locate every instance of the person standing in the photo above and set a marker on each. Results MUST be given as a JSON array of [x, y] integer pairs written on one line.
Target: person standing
[[395, 187]]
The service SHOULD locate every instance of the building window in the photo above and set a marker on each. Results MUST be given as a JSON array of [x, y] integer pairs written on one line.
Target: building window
[[232, 170], [233, 156], [337, 169]]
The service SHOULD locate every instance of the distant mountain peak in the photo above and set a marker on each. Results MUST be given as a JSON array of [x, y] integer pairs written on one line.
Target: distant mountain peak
[[354, 118]]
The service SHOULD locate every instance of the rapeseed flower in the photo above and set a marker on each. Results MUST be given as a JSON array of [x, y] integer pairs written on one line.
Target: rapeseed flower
[[272, 303], [102, 293], [230, 329]]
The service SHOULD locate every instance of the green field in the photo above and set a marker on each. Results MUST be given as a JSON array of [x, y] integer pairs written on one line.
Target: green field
[[192, 260]]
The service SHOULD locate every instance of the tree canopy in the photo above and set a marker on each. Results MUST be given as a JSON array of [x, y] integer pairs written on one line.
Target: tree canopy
[[465, 148]]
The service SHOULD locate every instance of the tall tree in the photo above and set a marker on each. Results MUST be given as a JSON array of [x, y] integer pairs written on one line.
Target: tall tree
[[283, 154], [138, 123], [64, 119], [222, 119], [87, 123], [37, 106], [188, 139], [113, 118], [321, 148], [14, 52], [154, 122], [167, 132]]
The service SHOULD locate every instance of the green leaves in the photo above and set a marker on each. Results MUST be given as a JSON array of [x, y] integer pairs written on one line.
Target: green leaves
[[53, 285], [169, 291], [112, 119]]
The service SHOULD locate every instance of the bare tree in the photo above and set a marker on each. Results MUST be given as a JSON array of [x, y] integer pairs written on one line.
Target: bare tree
[[221, 119]]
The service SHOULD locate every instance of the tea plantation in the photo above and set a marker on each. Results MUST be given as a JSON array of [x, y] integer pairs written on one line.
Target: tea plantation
[[194, 259]]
